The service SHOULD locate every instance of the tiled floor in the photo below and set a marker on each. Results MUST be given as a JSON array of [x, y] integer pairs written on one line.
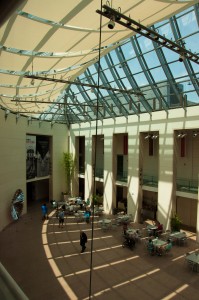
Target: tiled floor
[[46, 262]]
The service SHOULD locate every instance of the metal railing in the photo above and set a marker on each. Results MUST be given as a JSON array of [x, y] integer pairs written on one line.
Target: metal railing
[[81, 170], [187, 185], [9, 290], [122, 176], [150, 180], [99, 172]]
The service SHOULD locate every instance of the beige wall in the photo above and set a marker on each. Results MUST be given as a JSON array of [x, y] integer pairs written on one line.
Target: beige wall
[[13, 159], [162, 163]]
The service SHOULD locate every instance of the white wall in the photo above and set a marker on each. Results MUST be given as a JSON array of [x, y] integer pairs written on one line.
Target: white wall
[[13, 159]]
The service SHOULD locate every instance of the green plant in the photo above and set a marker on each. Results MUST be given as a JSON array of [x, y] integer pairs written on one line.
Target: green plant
[[97, 199], [175, 223], [70, 168]]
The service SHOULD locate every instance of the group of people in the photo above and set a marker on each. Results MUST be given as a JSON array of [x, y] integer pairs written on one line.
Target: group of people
[[152, 249], [156, 230], [83, 236]]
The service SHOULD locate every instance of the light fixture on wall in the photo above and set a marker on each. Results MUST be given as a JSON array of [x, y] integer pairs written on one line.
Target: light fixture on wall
[[154, 136], [29, 120], [195, 133], [17, 117], [181, 135], [7, 111], [148, 136]]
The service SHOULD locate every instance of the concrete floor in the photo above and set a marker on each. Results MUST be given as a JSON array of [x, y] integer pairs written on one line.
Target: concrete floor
[[46, 262]]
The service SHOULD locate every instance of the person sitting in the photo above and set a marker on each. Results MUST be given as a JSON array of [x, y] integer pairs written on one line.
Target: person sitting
[[165, 248], [168, 245], [158, 231], [150, 247]]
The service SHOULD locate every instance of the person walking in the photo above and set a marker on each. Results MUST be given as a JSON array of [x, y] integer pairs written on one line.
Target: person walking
[[44, 211], [83, 240], [61, 218]]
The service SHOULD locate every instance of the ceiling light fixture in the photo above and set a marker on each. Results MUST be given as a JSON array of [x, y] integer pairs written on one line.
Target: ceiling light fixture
[[128, 22], [111, 23], [181, 58]]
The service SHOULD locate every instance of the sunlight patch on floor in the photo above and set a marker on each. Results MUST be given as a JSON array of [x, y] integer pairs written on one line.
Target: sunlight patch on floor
[[176, 292]]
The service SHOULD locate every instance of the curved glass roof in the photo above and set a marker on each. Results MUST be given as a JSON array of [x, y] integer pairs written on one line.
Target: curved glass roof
[[121, 75], [142, 65]]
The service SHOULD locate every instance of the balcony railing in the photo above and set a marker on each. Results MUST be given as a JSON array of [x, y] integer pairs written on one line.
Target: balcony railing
[[122, 176], [150, 180], [81, 170], [187, 185], [99, 172]]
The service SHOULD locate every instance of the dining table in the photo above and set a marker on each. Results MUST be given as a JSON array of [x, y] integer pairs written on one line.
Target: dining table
[[105, 224], [123, 219], [158, 243], [193, 258], [131, 232], [177, 237], [152, 229], [105, 221]]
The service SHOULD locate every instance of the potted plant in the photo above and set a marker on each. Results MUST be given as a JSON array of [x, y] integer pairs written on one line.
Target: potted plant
[[70, 168], [175, 223]]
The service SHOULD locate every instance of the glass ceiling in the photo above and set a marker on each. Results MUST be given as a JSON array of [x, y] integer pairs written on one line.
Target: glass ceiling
[[142, 65], [152, 74]]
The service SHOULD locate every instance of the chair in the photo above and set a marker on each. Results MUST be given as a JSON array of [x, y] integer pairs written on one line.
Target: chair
[[191, 264], [104, 226], [138, 235], [168, 248], [182, 241], [114, 224]]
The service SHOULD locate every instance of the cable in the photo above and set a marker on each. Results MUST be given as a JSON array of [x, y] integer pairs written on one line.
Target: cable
[[95, 156]]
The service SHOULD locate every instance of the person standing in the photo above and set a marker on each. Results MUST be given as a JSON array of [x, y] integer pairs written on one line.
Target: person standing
[[61, 218], [83, 240]]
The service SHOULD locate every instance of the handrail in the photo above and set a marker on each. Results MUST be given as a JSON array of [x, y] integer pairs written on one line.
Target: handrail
[[9, 288]]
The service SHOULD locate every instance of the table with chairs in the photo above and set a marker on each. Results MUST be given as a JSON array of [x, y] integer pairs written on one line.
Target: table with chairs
[[192, 260], [178, 238], [158, 246], [105, 224], [152, 229], [123, 219], [98, 211], [134, 233]]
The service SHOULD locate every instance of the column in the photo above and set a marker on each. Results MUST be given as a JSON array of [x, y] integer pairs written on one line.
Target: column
[[109, 192], [166, 195]]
